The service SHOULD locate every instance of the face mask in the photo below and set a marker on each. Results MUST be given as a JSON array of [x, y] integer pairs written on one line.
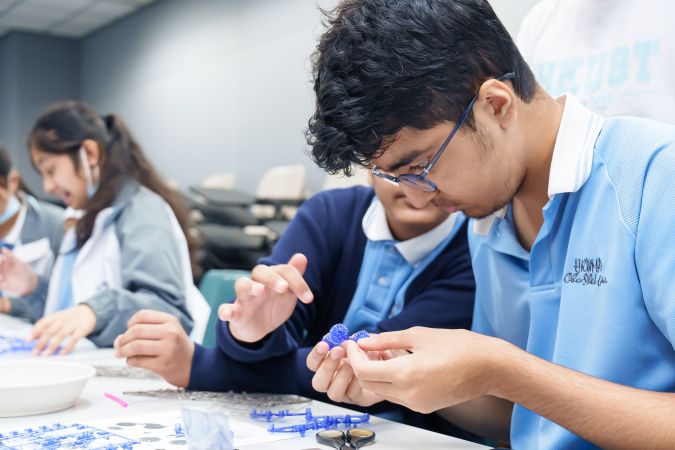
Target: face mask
[[13, 204], [71, 213], [91, 185], [13, 207]]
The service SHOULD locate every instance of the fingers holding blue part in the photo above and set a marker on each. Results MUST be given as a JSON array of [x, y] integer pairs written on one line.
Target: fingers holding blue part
[[393, 340], [317, 355], [326, 369], [367, 369]]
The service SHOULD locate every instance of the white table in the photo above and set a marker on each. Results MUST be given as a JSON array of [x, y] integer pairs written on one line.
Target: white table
[[93, 405]]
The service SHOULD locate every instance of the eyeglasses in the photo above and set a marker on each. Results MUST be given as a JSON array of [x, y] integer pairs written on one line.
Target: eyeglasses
[[420, 181]]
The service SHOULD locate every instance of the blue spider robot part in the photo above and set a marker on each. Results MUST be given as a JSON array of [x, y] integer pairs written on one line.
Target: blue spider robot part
[[339, 333], [312, 422], [180, 431], [9, 344], [73, 436]]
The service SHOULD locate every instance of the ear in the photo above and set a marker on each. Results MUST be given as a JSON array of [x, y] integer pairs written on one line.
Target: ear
[[498, 102], [93, 152], [13, 181]]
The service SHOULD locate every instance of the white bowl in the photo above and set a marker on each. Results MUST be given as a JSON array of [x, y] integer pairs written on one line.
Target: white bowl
[[38, 387]]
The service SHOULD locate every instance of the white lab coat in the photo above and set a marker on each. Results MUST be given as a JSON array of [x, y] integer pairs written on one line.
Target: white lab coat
[[99, 265]]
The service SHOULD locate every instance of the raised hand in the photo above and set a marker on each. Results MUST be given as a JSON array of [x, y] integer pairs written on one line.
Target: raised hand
[[267, 299], [15, 275]]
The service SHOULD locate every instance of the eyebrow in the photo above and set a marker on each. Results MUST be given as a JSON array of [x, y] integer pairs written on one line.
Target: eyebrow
[[41, 160], [406, 160]]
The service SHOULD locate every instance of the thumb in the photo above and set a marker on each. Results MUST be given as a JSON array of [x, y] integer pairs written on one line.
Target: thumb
[[395, 340], [299, 261]]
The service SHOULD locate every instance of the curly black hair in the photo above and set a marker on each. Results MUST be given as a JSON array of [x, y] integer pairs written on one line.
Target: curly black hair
[[383, 65]]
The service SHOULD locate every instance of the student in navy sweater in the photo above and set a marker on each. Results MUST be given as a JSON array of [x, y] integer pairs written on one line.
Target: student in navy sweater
[[378, 264]]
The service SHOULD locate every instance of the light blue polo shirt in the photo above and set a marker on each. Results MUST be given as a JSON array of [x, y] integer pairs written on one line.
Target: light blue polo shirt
[[597, 291], [390, 266]]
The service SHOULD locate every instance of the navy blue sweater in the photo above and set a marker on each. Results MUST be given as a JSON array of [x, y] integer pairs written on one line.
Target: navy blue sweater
[[327, 229]]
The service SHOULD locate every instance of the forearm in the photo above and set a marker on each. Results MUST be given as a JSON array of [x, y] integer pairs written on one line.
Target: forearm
[[485, 416], [604, 413], [114, 307], [31, 306], [5, 305]]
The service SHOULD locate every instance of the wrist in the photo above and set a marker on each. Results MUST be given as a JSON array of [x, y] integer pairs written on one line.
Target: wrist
[[249, 345], [32, 285], [185, 379], [498, 368], [5, 305]]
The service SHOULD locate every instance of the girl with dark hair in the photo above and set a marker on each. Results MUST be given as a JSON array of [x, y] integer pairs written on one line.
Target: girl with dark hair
[[32, 230], [128, 251]]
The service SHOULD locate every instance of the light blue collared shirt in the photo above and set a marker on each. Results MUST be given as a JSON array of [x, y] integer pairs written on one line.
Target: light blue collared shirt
[[389, 266], [595, 293]]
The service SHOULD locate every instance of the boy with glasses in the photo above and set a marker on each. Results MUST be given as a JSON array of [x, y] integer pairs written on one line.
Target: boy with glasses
[[574, 321]]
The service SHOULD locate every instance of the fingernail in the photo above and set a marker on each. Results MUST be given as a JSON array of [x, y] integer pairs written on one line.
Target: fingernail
[[321, 349], [363, 341]]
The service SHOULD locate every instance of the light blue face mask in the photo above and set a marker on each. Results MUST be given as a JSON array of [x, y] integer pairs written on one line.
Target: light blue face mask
[[13, 203], [13, 207], [92, 186]]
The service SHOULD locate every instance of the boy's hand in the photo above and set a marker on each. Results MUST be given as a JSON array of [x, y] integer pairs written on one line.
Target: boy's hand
[[431, 377], [156, 341], [267, 299], [335, 377]]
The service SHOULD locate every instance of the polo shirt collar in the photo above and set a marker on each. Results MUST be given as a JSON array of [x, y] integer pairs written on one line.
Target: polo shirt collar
[[572, 155], [414, 250]]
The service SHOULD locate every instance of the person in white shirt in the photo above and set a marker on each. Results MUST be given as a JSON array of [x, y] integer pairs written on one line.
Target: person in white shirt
[[615, 56]]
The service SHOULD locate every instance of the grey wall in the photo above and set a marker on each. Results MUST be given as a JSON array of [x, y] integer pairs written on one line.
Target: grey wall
[[35, 71], [512, 12], [207, 86], [210, 86], [215, 86]]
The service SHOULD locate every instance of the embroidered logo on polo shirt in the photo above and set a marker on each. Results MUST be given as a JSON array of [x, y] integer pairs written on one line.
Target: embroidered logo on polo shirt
[[587, 272]]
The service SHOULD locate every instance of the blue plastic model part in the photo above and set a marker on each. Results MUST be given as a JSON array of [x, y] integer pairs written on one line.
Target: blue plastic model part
[[73, 437], [312, 422], [9, 345], [359, 335], [339, 333], [180, 431]]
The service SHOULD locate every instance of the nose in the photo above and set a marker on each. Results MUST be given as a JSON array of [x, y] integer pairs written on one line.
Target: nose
[[47, 185], [419, 199]]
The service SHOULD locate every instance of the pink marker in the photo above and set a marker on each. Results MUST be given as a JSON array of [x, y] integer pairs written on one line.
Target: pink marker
[[117, 399]]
